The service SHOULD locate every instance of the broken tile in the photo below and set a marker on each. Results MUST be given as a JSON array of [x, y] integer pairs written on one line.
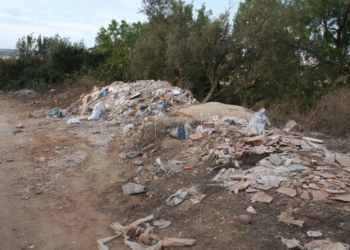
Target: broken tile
[[345, 198], [312, 139], [196, 136], [347, 169], [344, 162], [239, 186], [262, 197], [317, 195], [287, 191], [320, 168], [305, 195], [313, 186], [286, 217]]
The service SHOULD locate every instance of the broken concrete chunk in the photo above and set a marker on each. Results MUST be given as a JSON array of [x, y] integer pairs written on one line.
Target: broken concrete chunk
[[292, 243], [251, 210], [305, 195]]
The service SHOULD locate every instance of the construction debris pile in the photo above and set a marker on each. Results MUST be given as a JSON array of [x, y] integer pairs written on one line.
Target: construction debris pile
[[131, 103], [262, 162]]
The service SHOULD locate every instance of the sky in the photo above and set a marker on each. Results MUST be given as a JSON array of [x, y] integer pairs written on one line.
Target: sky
[[76, 19]]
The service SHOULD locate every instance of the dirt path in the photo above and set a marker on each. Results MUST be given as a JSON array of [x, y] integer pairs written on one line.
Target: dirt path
[[51, 203]]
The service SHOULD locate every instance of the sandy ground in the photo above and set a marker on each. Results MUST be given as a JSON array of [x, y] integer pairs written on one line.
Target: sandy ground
[[61, 189]]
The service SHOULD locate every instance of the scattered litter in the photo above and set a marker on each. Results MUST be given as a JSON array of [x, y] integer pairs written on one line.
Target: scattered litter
[[314, 234], [286, 217], [344, 162], [257, 123], [132, 188], [345, 198], [251, 210], [161, 223], [262, 197], [96, 112], [292, 243], [147, 240], [325, 245], [287, 191], [73, 121]]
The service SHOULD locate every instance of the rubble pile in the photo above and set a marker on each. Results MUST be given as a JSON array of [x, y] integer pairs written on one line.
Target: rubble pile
[[133, 103], [291, 164]]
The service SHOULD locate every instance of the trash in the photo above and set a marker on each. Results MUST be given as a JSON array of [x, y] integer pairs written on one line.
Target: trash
[[325, 245], [182, 132], [257, 123], [198, 198], [287, 191], [161, 223], [196, 136], [154, 243], [251, 210], [20, 125], [275, 159], [96, 112], [305, 195], [132, 188], [314, 234], [181, 195], [262, 197], [317, 195], [73, 121], [292, 243], [132, 155], [345, 198], [291, 126], [128, 127], [177, 198], [344, 162], [286, 217], [64, 113], [104, 93]]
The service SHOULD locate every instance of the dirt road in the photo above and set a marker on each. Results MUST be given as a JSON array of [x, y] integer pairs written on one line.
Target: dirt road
[[51, 180]]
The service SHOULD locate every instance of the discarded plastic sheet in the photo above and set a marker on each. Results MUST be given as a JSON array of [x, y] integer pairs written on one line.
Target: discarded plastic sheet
[[292, 243], [73, 121], [161, 223], [257, 123], [132, 188], [314, 234], [287, 191], [262, 197], [177, 198], [286, 217]]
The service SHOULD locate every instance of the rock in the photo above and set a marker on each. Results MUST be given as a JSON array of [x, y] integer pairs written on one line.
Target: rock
[[39, 192], [42, 159], [244, 219]]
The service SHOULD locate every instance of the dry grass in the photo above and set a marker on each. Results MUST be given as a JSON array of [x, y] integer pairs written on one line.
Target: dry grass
[[331, 115]]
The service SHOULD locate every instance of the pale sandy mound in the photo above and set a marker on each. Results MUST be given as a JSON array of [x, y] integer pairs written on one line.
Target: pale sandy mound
[[205, 111]]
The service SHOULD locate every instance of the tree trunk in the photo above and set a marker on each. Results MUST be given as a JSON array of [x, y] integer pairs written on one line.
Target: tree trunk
[[211, 92]]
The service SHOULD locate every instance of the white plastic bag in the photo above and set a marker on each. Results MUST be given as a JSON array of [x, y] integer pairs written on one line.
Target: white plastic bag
[[73, 121], [257, 123], [96, 112]]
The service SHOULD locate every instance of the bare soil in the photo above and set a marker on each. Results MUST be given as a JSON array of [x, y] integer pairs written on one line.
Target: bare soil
[[61, 189]]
